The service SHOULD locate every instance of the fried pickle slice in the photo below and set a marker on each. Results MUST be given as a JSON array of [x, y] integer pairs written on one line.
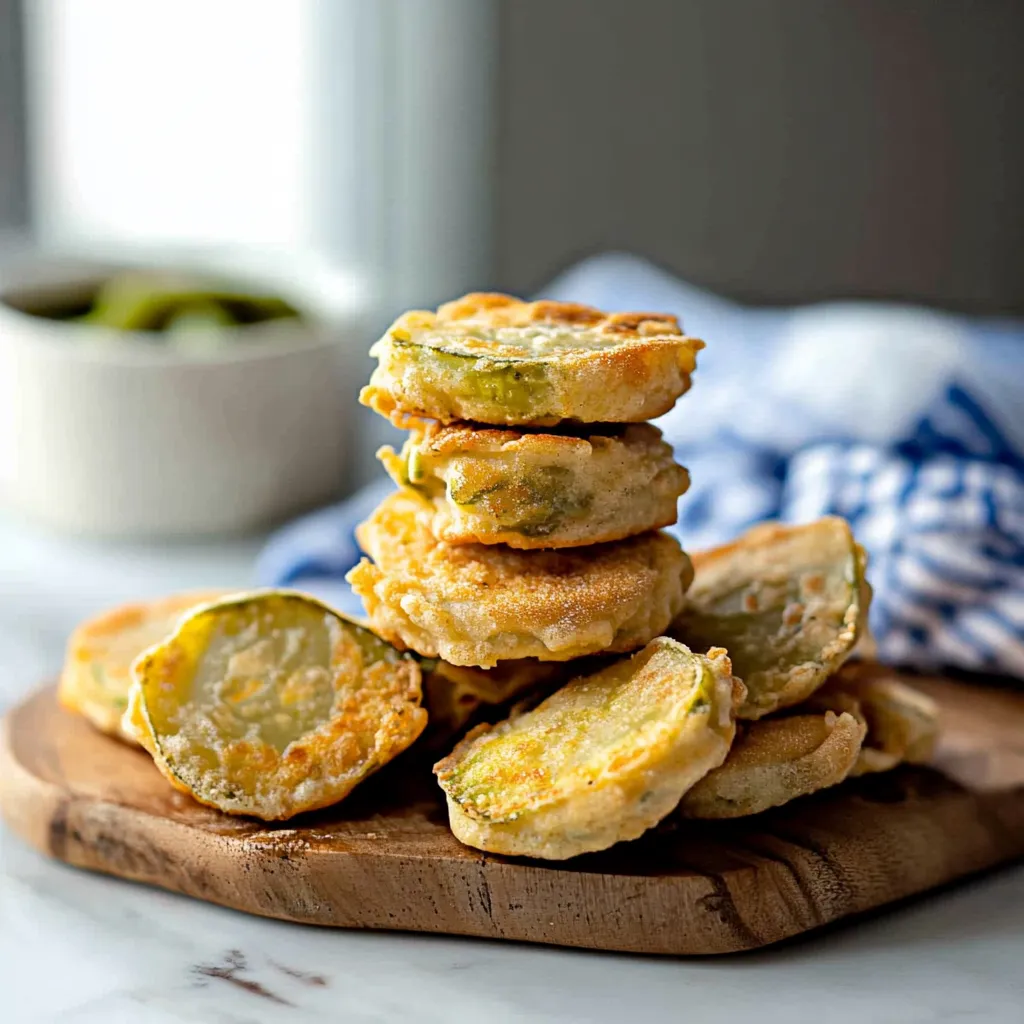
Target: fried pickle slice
[[540, 489], [902, 723], [776, 760], [271, 703], [787, 602], [476, 604], [96, 677], [602, 760], [495, 359], [454, 695]]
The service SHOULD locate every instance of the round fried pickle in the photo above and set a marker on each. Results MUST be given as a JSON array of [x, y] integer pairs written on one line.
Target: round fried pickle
[[540, 490], [903, 723], [96, 676], [776, 760], [787, 602], [496, 359], [271, 703], [475, 604], [602, 760]]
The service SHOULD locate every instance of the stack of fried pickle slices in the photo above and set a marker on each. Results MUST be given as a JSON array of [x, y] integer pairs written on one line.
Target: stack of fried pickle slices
[[520, 569]]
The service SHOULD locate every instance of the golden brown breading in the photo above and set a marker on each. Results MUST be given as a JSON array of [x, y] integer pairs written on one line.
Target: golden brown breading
[[602, 760], [478, 605], [496, 359], [540, 490], [97, 670], [787, 602], [902, 722], [271, 704], [776, 760], [454, 694]]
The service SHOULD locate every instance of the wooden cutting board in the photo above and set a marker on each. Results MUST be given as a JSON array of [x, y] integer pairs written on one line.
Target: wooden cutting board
[[385, 858]]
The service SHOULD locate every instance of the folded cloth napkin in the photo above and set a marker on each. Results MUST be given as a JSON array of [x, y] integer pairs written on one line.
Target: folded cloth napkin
[[908, 422]]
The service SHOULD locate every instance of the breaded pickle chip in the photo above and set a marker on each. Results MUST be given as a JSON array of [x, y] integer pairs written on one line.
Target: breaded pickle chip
[[475, 604], [454, 694], [540, 490], [776, 760], [602, 760], [902, 723], [496, 359], [866, 646], [271, 703], [96, 676], [787, 602]]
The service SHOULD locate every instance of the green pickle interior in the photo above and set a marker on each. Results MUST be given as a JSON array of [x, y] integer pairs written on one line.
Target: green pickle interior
[[266, 670], [520, 388], [777, 621], [534, 502], [594, 721], [535, 505]]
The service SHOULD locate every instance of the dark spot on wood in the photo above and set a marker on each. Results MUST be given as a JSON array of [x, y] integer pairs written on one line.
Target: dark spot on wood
[[484, 892], [842, 891], [881, 789], [758, 852], [58, 836], [902, 784], [720, 903], [141, 859]]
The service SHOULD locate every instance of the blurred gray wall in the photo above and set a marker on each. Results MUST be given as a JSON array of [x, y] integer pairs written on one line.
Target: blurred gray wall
[[13, 185], [775, 150]]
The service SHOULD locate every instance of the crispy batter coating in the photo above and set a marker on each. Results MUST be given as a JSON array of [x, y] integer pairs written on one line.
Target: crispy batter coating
[[866, 646], [96, 676], [600, 761], [540, 490], [902, 723], [478, 605], [270, 704], [776, 760], [787, 602], [455, 694], [496, 359]]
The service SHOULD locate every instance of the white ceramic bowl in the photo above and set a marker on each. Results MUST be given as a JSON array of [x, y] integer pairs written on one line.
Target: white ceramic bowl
[[118, 436]]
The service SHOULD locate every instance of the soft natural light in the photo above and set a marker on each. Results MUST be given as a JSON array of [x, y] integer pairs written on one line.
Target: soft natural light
[[173, 121]]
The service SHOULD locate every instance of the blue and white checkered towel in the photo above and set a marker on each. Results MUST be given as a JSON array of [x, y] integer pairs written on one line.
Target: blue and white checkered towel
[[908, 422]]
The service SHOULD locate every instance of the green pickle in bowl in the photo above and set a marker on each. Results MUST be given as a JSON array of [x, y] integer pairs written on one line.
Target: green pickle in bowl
[[169, 304]]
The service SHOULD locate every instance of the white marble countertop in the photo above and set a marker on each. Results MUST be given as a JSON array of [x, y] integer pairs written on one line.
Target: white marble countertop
[[82, 948]]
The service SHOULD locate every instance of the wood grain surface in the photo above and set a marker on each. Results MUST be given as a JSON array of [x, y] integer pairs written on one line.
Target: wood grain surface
[[384, 858]]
